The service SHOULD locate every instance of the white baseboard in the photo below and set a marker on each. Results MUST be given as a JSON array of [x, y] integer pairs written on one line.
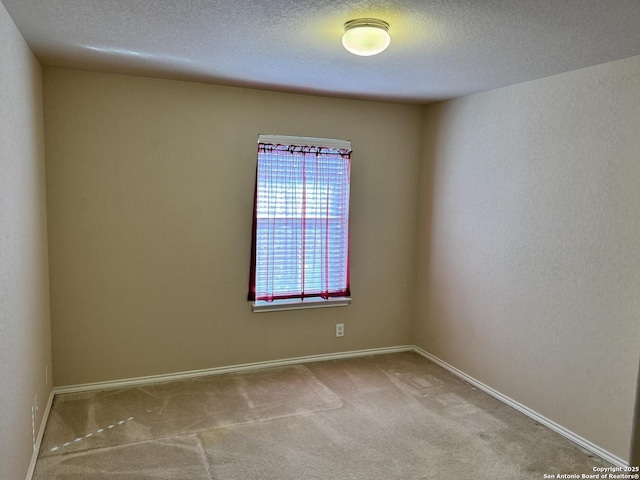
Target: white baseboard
[[577, 439], [36, 449], [228, 369]]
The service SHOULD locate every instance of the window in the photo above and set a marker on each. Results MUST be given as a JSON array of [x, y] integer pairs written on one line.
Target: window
[[300, 247]]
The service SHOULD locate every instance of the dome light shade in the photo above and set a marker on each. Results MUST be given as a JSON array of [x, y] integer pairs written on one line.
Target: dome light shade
[[366, 36]]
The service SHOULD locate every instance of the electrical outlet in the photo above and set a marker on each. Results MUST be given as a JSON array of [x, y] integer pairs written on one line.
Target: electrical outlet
[[339, 329]]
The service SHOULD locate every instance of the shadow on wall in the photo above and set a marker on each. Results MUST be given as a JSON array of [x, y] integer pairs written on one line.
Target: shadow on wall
[[433, 132], [425, 216]]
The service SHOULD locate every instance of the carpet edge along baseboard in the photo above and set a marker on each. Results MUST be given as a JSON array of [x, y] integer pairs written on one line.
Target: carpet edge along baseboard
[[575, 438]]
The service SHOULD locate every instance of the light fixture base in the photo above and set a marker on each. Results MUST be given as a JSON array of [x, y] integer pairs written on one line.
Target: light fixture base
[[366, 22]]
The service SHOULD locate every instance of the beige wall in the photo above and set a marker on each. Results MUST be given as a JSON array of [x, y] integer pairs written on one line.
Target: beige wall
[[150, 195], [25, 342], [634, 454], [529, 262]]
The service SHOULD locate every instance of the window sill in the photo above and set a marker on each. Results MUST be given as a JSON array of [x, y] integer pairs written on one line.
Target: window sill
[[280, 305]]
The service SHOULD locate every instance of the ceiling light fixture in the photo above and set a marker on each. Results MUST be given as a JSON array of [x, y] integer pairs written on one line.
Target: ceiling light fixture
[[366, 36]]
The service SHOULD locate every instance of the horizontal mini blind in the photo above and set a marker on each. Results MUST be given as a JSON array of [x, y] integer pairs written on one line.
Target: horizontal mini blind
[[301, 222]]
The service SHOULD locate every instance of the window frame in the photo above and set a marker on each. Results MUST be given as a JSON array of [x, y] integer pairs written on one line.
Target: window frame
[[259, 306]]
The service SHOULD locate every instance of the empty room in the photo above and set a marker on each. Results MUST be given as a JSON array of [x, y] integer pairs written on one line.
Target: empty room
[[319, 240]]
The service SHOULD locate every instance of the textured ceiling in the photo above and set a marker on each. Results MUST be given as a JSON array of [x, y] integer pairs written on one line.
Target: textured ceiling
[[439, 48]]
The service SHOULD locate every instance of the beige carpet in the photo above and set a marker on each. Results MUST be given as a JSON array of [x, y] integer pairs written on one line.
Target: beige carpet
[[394, 416]]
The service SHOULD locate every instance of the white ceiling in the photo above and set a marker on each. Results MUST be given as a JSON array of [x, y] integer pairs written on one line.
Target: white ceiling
[[439, 49]]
